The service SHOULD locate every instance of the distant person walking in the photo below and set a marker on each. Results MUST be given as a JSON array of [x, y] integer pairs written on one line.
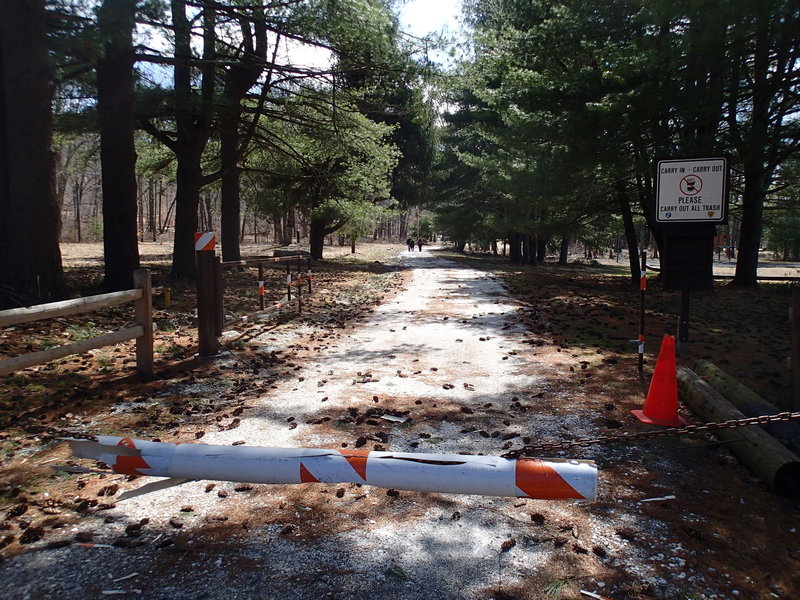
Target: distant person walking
[[410, 244], [420, 241]]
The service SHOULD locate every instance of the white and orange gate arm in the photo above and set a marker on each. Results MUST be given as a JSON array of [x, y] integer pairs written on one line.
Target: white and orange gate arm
[[552, 479]]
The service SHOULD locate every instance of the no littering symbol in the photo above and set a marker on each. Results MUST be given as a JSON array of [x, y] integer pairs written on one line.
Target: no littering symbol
[[691, 185]]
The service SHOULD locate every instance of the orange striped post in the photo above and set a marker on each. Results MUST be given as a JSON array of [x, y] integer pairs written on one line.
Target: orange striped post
[[299, 291], [207, 309], [261, 286], [642, 293], [550, 479]]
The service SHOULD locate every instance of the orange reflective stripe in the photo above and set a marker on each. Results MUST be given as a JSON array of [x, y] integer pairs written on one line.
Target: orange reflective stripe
[[538, 480], [306, 476], [129, 465], [357, 460], [204, 241]]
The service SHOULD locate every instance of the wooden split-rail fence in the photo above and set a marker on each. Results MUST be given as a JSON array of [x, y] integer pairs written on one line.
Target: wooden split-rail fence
[[142, 331]]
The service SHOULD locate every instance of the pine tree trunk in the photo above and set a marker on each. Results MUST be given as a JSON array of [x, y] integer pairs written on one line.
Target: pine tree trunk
[[117, 152], [526, 249], [514, 253], [317, 234], [230, 201], [563, 253], [187, 199], [193, 117], [30, 222], [750, 235], [630, 232], [541, 250]]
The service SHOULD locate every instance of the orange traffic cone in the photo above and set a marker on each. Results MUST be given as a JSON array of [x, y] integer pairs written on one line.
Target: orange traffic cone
[[661, 405]]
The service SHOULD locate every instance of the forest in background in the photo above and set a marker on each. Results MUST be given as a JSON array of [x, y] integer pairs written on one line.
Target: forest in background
[[139, 119]]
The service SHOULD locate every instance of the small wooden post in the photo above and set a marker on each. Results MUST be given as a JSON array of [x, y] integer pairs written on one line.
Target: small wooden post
[[299, 280], [219, 289], [308, 261], [288, 281], [143, 315], [260, 286], [299, 290], [206, 298], [795, 357]]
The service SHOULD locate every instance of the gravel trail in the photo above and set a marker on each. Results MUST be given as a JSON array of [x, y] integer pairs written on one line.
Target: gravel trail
[[449, 350]]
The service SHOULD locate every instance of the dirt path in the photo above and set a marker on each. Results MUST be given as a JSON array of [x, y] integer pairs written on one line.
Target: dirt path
[[450, 352]]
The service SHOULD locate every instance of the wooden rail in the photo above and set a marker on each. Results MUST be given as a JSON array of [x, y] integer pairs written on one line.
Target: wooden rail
[[254, 262], [17, 316], [142, 332], [210, 291]]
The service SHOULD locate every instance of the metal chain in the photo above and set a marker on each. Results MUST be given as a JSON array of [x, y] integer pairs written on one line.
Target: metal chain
[[531, 449]]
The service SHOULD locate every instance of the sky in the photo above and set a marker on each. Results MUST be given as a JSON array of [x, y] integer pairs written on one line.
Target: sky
[[420, 17], [417, 17]]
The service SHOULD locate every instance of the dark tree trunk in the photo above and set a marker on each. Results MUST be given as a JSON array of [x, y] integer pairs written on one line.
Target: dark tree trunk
[[563, 254], [193, 117], [30, 258], [187, 200], [526, 249], [117, 152], [78, 197], [151, 210], [755, 186], [630, 231], [514, 251], [541, 249], [757, 149], [317, 235], [240, 77], [230, 201]]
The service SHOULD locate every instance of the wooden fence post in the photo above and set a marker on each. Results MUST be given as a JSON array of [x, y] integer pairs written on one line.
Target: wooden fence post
[[143, 315], [206, 298], [219, 294]]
